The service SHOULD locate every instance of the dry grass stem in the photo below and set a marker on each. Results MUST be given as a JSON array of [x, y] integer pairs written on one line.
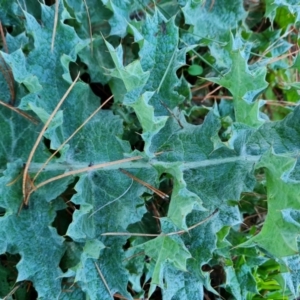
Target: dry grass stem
[[171, 113], [103, 279], [70, 137], [82, 170], [5, 69], [283, 56], [55, 24], [90, 25], [20, 112], [147, 185], [212, 92], [8, 296], [161, 234], [268, 102], [273, 46], [3, 38], [25, 175], [197, 88]]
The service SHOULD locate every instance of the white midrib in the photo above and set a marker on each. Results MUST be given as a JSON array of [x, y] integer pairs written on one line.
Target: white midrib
[[35, 167]]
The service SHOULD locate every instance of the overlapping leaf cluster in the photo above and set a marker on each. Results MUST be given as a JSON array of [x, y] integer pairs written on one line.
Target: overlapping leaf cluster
[[101, 233]]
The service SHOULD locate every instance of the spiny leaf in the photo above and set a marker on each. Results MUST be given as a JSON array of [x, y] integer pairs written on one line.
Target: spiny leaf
[[48, 85], [212, 20], [292, 278], [244, 85], [94, 191], [121, 12], [292, 6], [165, 250], [158, 40], [203, 168], [212, 160], [33, 225], [283, 209], [181, 285], [132, 75]]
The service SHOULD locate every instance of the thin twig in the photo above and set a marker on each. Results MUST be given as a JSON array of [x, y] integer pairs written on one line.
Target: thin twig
[[3, 38], [161, 234], [201, 57], [211, 93], [90, 25], [110, 202], [171, 113], [269, 102], [282, 56], [250, 217], [8, 72], [165, 73], [20, 112], [11, 292], [134, 255], [201, 98], [281, 103], [61, 146], [8, 75], [103, 279], [272, 47], [82, 170], [55, 24], [147, 185], [197, 88], [25, 175]]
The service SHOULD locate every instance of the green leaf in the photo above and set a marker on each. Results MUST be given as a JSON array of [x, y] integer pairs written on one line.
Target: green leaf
[[244, 85], [195, 70], [195, 157], [19, 232], [49, 87], [121, 13], [16, 143], [9, 11], [181, 285], [212, 20], [99, 62], [103, 201], [291, 6], [283, 136], [91, 17], [283, 213], [232, 282], [292, 278], [86, 231], [132, 75], [158, 40], [165, 250], [151, 125]]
